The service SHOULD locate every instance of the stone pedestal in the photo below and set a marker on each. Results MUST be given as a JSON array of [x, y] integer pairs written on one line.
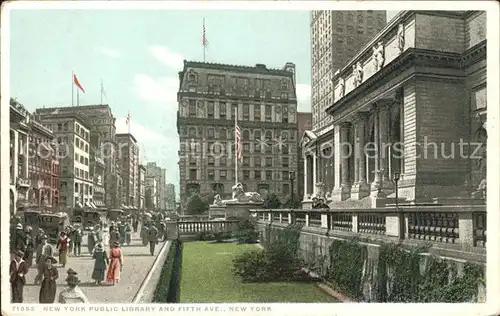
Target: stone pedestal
[[341, 193], [360, 190], [233, 210]]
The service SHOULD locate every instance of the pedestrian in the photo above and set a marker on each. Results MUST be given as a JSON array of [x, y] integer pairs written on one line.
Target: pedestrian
[[121, 230], [77, 240], [114, 236], [322, 204], [72, 294], [115, 263], [29, 247], [18, 270], [50, 275], [314, 203], [63, 247], [91, 240], [161, 231], [144, 234], [101, 261], [152, 238], [69, 232], [128, 234], [105, 235], [19, 243], [43, 252], [38, 238]]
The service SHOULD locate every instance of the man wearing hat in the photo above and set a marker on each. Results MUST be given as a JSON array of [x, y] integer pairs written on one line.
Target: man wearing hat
[[43, 252], [315, 203], [19, 240], [76, 237], [29, 247], [152, 238], [72, 294], [18, 270]]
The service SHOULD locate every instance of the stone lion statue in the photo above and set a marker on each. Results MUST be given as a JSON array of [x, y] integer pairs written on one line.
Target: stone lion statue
[[240, 195]]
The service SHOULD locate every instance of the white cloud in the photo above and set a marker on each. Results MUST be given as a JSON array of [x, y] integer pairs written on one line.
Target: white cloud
[[157, 90], [164, 55], [106, 51], [304, 97]]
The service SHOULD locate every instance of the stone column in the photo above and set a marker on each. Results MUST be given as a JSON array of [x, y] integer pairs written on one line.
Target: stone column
[[305, 177], [384, 143], [315, 171], [25, 158], [15, 157], [360, 188], [344, 191], [336, 159], [376, 166]]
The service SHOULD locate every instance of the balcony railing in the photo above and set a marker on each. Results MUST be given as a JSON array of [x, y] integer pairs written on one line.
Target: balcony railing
[[464, 224]]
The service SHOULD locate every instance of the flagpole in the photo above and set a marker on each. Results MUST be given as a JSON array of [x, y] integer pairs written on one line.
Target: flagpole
[[72, 88], [235, 146], [129, 122], [102, 89], [77, 97]]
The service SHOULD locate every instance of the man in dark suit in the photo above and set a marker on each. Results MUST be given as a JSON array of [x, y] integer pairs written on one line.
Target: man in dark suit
[[18, 270]]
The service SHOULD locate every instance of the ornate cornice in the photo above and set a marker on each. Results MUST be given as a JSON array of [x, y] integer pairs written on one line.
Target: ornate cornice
[[260, 69], [195, 121], [236, 98], [474, 54], [410, 58]]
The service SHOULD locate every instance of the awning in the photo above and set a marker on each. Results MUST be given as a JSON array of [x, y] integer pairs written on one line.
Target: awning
[[79, 205], [92, 205], [87, 204]]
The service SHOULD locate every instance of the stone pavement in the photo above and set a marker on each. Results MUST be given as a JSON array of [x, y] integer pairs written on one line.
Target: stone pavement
[[137, 263]]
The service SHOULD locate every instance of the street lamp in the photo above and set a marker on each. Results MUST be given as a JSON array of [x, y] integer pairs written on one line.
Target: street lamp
[[396, 177], [292, 177]]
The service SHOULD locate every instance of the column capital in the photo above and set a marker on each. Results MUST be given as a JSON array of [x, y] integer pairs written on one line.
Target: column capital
[[344, 125], [383, 104]]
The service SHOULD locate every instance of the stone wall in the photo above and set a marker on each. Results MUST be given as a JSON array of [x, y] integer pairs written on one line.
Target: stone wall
[[314, 244]]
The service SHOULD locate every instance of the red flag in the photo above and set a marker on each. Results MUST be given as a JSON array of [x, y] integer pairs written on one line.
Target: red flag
[[204, 40], [77, 83], [239, 147]]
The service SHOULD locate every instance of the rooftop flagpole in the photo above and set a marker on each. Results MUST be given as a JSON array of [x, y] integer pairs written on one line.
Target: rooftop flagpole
[[72, 88]]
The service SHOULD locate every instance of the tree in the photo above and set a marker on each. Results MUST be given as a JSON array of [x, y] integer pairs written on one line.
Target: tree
[[272, 201], [290, 203], [196, 205]]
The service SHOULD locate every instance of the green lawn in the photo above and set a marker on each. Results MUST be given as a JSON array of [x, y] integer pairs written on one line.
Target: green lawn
[[207, 278]]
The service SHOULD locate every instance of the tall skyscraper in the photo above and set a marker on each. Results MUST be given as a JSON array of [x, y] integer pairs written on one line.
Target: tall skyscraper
[[336, 36]]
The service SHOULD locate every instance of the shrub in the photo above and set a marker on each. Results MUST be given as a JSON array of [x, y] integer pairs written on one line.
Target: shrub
[[161, 292], [251, 266], [245, 232]]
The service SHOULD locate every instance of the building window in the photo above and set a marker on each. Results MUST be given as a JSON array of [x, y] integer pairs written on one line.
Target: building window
[[286, 188], [192, 108], [284, 83], [284, 149], [65, 127], [246, 148], [246, 161], [223, 133], [269, 161], [257, 148], [269, 113], [211, 160], [223, 174], [233, 111], [192, 174], [246, 111], [222, 110], [246, 175], [285, 162], [246, 135], [269, 175], [257, 175], [210, 132], [257, 162], [211, 175], [285, 175], [256, 112], [284, 135], [222, 160], [192, 132], [210, 110]]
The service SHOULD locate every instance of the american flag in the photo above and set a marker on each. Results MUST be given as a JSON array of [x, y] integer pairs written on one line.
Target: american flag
[[204, 40], [128, 119], [239, 147]]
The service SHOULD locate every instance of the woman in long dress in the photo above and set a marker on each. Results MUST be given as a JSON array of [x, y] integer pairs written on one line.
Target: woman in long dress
[[63, 245], [101, 262], [128, 234], [115, 264], [105, 235], [144, 235], [49, 287], [91, 240]]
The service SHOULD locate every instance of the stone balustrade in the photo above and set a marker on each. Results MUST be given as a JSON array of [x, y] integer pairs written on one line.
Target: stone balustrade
[[465, 225], [194, 227]]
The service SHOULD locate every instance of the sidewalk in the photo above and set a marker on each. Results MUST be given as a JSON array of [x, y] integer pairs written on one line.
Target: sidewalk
[[137, 263]]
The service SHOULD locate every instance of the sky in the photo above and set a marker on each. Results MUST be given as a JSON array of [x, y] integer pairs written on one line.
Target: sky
[[137, 55]]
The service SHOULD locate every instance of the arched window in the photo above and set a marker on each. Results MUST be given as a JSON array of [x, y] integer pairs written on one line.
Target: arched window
[[192, 132], [246, 135]]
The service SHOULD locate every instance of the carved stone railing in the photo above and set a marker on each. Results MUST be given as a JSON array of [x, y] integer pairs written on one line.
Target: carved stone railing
[[194, 227], [461, 224]]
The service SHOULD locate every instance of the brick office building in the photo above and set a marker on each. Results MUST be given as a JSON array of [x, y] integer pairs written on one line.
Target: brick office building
[[267, 116], [421, 79]]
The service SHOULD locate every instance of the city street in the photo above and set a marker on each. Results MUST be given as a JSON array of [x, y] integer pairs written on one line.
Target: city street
[[137, 263]]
